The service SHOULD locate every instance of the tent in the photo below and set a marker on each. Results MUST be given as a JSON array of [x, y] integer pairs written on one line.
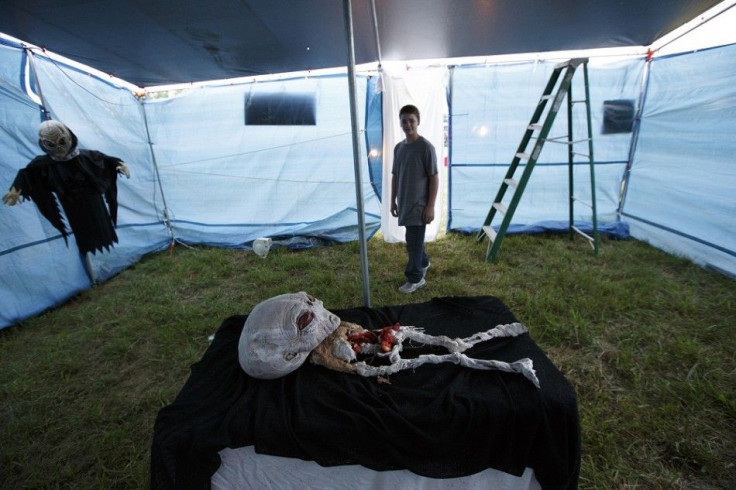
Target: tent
[[167, 87]]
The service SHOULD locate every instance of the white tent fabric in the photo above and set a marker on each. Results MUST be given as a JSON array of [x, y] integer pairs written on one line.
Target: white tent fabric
[[491, 106], [423, 87], [227, 182], [200, 175], [38, 269], [682, 189], [109, 119]]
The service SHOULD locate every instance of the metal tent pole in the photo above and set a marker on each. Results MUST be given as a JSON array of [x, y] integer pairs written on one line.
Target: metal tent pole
[[166, 216], [347, 11], [374, 18], [634, 138]]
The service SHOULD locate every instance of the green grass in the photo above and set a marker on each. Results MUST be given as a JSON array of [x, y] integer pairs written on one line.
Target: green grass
[[646, 339]]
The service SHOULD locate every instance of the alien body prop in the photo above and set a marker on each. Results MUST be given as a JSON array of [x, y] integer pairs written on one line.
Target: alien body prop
[[83, 181], [282, 332], [349, 343]]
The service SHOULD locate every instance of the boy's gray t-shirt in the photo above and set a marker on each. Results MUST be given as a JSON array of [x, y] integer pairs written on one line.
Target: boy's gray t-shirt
[[413, 164]]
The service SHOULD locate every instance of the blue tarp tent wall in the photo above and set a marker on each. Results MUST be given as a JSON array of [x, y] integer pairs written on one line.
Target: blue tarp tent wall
[[200, 175], [677, 191], [681, 195], [491, 106]]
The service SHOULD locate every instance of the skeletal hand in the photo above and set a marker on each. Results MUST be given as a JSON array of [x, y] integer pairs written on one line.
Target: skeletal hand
[[123, 169], [11, 197]]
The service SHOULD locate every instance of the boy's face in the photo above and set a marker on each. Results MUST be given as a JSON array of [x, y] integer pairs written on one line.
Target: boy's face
[[409, 124]]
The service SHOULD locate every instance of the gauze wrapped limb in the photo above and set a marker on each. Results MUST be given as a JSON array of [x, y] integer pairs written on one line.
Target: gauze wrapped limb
[[522, 366], [336, 352]]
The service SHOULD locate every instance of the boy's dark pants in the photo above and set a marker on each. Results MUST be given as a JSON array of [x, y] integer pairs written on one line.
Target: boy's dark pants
[[418, 258]]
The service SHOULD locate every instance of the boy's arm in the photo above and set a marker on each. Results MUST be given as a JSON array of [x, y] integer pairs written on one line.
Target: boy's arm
[[394, 206], [428, 213]]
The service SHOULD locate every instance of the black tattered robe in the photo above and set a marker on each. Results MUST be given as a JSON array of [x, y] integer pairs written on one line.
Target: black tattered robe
[[86, 188]]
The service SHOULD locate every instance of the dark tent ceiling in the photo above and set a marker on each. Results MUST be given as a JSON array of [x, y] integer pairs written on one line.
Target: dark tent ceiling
[[154, 42]]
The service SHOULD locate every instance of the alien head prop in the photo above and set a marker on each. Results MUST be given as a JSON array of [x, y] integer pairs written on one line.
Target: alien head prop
[[281, 332]]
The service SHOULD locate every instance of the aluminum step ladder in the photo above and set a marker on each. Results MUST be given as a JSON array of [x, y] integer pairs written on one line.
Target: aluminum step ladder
[[538, 131]]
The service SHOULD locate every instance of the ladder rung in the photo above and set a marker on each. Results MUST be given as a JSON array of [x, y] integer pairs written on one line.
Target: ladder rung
[[590, 239], [500, 207], [563, 141], [546, 97], [511, 182], [581, 232], [535, 127], [523, 156], [490, 232], [583, 202], [581, 154]]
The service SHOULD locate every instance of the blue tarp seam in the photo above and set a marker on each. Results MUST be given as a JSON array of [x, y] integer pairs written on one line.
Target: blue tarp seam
[[58, 237], [679, 233], [538, 164], [278, 223]]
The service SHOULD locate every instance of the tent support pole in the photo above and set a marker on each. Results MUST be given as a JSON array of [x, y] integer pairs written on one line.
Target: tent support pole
[[347, 11], [634, 138], [374, 18], [46, 115], [167, 219]]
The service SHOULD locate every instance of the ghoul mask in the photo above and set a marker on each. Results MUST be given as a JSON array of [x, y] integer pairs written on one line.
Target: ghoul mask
[[281, 332], [57, 141]]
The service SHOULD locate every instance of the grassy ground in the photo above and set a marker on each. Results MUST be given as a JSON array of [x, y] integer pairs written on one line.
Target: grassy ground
[[646, 339]]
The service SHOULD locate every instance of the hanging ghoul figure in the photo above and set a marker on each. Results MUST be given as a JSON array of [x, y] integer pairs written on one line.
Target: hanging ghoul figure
[[83, 181], [282, 332]]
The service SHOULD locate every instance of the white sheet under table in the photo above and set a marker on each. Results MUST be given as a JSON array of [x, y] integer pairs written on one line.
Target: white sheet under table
[[244, 469]]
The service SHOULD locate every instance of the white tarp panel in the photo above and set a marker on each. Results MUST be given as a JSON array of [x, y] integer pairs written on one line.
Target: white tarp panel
[[424, 88], [38, 269], [109, 119], [225, 183], [490, 108], [682, 190], [228, 183], [221, 182]]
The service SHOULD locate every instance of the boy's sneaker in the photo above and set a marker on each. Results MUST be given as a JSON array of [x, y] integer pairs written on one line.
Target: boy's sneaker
[[410, 287], [424, 271]]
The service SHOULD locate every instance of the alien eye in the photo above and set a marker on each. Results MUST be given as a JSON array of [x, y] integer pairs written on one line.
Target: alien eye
[[304, 320]]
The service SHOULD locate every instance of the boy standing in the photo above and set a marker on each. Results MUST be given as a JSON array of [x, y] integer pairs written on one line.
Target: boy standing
[[414, 184]]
